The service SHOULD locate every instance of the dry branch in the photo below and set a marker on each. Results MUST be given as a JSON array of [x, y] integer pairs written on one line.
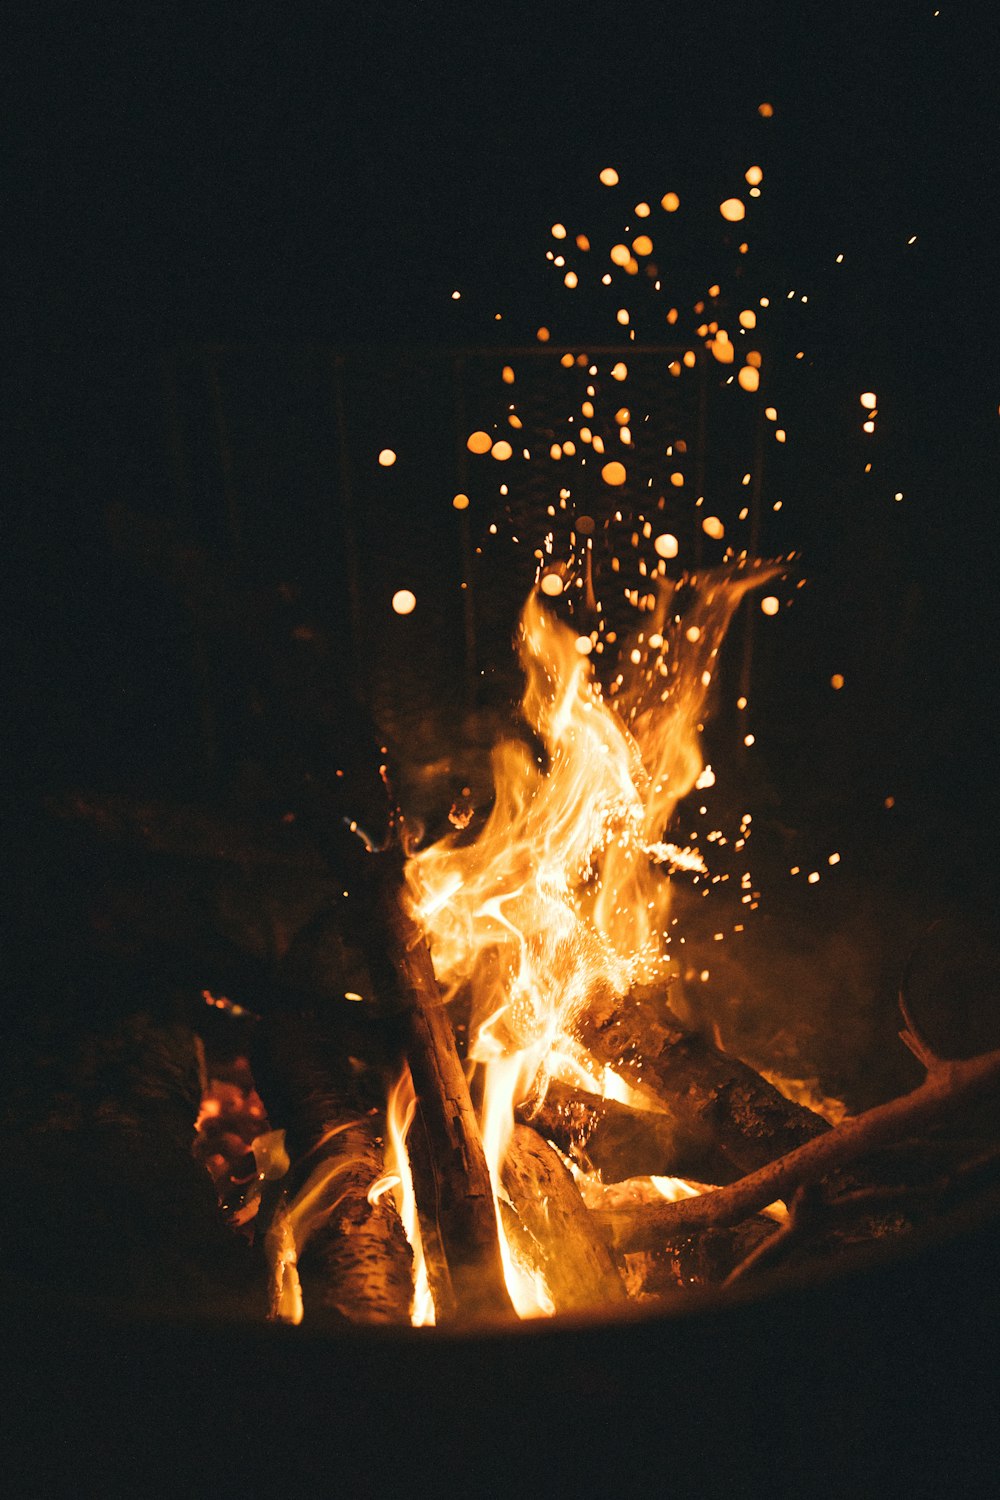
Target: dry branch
[[947, 1087], [716, 1101], [557, 1233]]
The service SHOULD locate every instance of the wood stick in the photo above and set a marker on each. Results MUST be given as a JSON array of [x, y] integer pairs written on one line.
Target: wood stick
[[947, 1086], [420, 1151], [403, 974], [711, 1096], [559, 1234]]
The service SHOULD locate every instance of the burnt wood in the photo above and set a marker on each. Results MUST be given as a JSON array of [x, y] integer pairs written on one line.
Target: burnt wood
[[616, 1139], [712, 1097], [556, 1232]]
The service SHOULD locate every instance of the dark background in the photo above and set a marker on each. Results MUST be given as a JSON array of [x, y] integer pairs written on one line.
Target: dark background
[[274, 177]]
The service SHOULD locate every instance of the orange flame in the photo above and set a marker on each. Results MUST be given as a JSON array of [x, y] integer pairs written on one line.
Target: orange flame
[[564, 894], [400, 1111]]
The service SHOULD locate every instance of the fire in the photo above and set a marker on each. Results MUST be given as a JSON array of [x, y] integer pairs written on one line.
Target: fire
[[564, 894], [400, 1111]]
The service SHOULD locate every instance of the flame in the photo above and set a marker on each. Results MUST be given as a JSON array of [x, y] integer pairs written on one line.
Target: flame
[[564, 894], [400, 1110], [807, 1091]]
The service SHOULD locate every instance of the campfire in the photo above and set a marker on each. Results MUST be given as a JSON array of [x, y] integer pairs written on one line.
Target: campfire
[[522, 1124], [477, 1085]]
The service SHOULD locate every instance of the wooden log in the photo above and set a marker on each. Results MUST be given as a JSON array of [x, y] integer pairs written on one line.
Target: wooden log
[[420, 1151], [400, 964], [699, 1260], [710, 1096], [616, 1139], [557, 1234], [948, 1087], [353, 1256]]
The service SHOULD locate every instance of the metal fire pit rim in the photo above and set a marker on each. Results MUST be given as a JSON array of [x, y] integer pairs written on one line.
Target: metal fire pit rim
[[894, 1260]]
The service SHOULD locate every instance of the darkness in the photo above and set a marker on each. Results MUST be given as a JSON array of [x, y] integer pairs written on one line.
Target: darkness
[[285, 182], [280, 188], [243, 176]]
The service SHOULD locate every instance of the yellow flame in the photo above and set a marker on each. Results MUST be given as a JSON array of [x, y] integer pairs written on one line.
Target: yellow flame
[[564, 894], [400, 1110]]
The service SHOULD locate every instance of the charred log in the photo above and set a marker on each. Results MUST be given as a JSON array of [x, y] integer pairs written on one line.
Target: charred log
[[617, 1140], [711, 1096], [554, 1230], [699, 1260]]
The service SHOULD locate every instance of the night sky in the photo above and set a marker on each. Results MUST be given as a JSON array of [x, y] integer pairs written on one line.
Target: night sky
[[331, 174]]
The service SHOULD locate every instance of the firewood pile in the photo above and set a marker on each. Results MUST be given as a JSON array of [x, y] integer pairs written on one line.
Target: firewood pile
[[271, 1107], [288, 1072]]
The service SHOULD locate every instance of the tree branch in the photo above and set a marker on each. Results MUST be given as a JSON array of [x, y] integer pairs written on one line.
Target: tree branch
[[947, 1086]]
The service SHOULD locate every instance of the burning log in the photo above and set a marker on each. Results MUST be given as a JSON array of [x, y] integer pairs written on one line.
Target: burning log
[[948, 1087], [400, 964], [352, 1253], [355, 1258], [616, 1139], [557, 1233], [712, 1097]]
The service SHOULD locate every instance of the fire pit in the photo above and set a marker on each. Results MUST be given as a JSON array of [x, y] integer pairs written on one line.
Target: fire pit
[[455, 1030]]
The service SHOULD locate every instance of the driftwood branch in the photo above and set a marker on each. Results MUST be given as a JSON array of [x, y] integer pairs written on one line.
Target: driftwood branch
[[947, 1086]]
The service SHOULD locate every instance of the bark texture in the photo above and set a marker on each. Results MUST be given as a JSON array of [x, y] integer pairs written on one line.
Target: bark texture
[[555, 1230], [353, 1255], [740, 1121], [403, 974]]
